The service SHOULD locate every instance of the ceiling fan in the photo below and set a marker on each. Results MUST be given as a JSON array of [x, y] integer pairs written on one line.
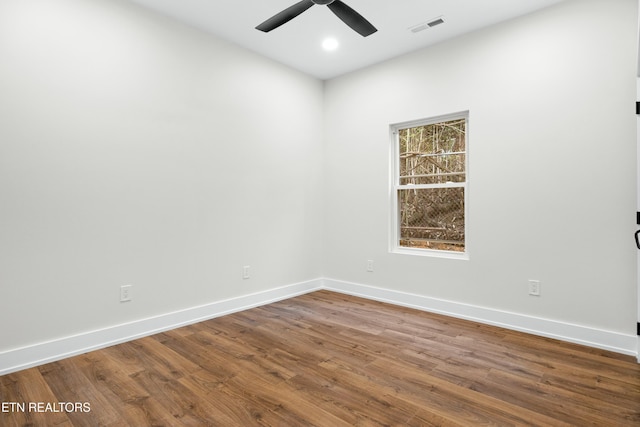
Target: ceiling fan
[[349, 16]]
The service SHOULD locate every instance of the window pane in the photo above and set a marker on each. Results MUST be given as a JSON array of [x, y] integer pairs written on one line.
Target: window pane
[[432, 218], [433, 154]]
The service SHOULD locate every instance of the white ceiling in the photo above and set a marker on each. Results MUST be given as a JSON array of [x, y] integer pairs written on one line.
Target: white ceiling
[[298, 42]]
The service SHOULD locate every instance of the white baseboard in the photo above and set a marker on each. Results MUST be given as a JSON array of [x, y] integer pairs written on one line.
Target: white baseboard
[[46, 352], [606, 340]]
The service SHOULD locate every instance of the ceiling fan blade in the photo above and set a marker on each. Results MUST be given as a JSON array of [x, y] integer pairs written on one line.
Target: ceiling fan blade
[[352, 18], [285, 16]]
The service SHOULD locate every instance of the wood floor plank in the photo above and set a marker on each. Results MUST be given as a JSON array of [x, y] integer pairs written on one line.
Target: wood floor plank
[[281, 404], [25, 388], [328, 359], [69, 384]]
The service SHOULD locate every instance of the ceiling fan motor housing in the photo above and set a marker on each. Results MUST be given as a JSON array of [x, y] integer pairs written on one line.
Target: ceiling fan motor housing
[[322, 1]]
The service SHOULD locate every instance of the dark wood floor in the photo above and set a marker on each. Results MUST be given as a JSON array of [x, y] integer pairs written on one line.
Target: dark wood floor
[[327, 359]]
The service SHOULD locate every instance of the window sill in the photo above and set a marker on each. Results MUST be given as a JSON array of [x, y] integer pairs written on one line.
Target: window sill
[[431, 253]]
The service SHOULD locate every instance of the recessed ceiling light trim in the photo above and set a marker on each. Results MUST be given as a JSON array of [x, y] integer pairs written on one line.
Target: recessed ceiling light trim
[[330, 44]]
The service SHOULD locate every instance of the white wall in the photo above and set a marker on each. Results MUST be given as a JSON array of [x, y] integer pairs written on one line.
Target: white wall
[[552, 165], [134, 150]]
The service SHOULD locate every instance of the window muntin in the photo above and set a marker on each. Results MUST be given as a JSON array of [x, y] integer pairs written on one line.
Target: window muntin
[[430, 180]]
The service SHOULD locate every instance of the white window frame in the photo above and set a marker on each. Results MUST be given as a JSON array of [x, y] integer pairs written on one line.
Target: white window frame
[[394, 235]]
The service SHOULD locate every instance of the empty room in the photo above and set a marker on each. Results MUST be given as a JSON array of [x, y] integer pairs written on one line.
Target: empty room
[[329, 213]]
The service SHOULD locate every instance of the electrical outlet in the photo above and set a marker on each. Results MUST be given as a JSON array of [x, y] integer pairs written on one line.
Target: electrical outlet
[[370, 266], [125, 293], [534, 288], [246, 272]]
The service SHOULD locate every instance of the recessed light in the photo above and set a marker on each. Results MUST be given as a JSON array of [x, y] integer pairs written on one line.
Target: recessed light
[[330, 44]]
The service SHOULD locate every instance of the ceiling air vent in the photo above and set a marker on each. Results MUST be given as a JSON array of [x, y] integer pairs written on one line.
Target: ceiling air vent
[[435, 22], [429, 24]]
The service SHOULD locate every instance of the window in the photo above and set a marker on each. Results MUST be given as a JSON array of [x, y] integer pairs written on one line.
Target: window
[[430, 186]]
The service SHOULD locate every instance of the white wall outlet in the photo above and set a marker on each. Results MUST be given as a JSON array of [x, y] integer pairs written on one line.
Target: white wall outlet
[[534, 288], [125, 293], [370, 266], [246, 272]]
